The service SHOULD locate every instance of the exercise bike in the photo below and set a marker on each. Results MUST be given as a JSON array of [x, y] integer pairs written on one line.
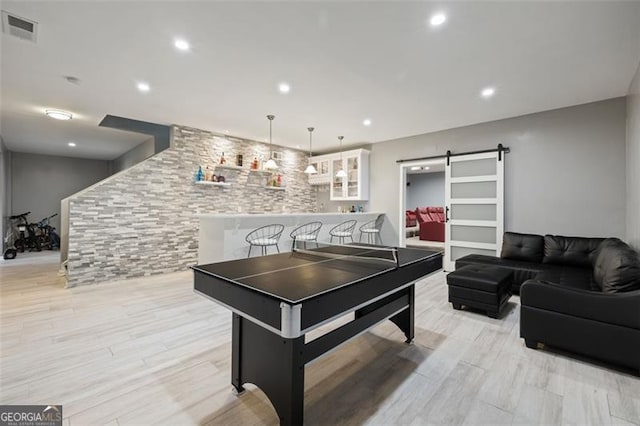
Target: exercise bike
[[47, 235], [27, 234]]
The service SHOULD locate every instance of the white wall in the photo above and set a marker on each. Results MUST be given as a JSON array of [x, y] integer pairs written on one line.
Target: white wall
[[565, 173], [633, 162], [425, 190], [40, 182]]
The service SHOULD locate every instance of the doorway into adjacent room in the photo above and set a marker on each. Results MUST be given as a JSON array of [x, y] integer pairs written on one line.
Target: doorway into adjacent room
[[470, 218], [424, 205]]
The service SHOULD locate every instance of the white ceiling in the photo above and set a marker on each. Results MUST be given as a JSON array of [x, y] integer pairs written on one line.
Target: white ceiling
[[345, 61]]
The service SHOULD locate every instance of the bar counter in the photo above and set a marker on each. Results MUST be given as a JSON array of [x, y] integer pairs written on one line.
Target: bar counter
[[221, 236]]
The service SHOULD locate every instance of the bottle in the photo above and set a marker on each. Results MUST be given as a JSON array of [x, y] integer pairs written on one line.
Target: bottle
[[207, 174], [199, 174], [279, 180], [254, 165], [353, 209], [222, 159]]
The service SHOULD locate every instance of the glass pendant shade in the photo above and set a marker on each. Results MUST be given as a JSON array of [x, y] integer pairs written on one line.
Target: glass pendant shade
[[271, 163], [310, 170]]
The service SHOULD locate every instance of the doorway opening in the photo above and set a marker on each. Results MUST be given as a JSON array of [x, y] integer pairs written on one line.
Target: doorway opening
[[423, 216]]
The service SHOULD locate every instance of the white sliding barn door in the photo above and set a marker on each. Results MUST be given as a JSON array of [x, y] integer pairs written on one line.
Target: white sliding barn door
[[474, 204]]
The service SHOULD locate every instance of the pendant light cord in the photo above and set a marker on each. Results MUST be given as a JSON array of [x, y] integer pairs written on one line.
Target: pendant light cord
[[310, 129], [270, 117]]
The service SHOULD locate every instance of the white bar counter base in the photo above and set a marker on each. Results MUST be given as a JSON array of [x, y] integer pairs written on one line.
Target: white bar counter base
[[222, 235]]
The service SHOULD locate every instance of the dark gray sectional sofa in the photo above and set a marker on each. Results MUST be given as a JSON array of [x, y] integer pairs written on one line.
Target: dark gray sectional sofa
[[577, 294]]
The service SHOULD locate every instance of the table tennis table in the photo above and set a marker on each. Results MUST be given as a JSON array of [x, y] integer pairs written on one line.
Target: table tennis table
[[277, 299]]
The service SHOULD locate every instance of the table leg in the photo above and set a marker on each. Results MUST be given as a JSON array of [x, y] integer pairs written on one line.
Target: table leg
[[273, 363], [405, 319]]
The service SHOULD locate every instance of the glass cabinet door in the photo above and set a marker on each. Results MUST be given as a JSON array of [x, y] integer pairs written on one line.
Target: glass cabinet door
[[337, 183], [352, 177], [323, 168]]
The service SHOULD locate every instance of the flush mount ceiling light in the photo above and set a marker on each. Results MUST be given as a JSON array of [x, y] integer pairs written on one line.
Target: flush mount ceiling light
[[437, 19], [488, 92], [284, 88], [181, 44], [310, 169], [143, 87], [58, 114], [341, 173], [366, 122], [71, 144], [270, 164]]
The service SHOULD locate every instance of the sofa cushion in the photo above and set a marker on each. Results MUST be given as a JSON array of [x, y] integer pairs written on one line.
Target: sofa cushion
[[616, 267], [527, 247], [570, 251], [568, 276]]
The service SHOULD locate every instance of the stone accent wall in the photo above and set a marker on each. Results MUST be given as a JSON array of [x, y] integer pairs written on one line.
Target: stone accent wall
[[143, 221]]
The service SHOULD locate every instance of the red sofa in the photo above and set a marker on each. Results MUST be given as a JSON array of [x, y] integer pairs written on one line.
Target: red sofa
[[431, 223], [410, 219]]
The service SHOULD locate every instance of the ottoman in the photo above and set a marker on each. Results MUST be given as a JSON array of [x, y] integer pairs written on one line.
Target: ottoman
[[483, 287]]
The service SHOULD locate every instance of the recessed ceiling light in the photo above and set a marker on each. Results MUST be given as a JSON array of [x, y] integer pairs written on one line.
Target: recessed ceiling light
[[284, 88], [438, 19], [488, 92], [366, 122], [416, 168], [425, 168], [143, 87], [181, 44], [58, 115], [71, 144]]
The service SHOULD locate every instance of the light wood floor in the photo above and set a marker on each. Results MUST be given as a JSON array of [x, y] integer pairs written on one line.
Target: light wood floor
[[149, 351]]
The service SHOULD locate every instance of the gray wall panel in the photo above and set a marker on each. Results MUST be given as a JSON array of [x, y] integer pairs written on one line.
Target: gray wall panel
[[40, 182], [565, 173], [633, 162], [426, 190]]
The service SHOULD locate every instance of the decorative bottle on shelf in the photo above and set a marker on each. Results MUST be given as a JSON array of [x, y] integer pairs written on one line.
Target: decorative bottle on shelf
[[208, 174], [279, 180], [199, 174], [222, 159], [353, 209], [254, 164]]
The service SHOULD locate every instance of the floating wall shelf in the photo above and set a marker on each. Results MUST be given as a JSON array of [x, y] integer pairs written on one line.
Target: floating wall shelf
[[206, 182]]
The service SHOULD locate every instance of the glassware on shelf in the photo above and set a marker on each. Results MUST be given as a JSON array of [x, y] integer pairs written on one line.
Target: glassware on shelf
[[199, 174], [222, 159]]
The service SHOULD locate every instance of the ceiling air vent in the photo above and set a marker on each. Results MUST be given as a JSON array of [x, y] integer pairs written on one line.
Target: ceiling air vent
[[19, 27]]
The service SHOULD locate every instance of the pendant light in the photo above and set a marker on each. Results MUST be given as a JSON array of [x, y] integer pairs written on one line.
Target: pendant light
[[270, 164], [341, 173], [310, 169]]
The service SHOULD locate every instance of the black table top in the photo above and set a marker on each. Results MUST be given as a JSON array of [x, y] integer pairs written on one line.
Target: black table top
[[296, 276]]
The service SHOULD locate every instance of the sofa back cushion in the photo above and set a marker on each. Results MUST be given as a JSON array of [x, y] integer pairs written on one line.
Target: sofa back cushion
[[570, 251], [616, 267], [527, 247]]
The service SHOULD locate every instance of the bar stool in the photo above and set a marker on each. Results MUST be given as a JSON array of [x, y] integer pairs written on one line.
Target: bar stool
[[264, 237], [372, 229], [307, 232], [343, 230]]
